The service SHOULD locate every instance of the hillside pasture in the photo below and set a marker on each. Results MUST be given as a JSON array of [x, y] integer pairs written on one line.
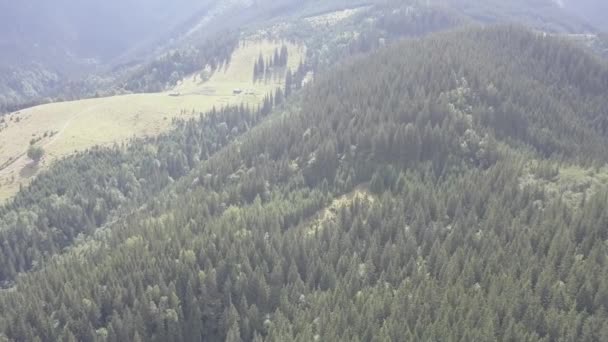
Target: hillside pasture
[[65, 127]]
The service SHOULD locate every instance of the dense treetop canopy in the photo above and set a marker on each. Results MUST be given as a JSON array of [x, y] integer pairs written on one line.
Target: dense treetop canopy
[[407, 195]]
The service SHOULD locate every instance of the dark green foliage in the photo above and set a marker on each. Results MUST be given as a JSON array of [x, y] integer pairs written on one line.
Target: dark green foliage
[[84, 192], [241, 245], [35, 153], [276, 65], [165, 71]]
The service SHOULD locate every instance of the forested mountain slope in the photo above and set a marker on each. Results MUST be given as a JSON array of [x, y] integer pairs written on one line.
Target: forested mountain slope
[[453, 145], [546, 15], [201, 75]]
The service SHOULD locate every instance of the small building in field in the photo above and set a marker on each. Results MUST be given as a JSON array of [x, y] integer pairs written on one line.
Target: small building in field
[[237, 91]]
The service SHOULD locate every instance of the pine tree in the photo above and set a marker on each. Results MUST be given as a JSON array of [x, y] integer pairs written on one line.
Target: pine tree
[[288, 83], [234, 334], [261, 66], [284, 56]]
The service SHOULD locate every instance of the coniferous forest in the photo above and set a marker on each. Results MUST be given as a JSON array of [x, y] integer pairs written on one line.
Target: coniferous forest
[[424, 192]]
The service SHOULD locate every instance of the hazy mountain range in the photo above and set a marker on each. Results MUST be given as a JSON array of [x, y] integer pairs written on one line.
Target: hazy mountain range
[[46, 43], [593, 11]]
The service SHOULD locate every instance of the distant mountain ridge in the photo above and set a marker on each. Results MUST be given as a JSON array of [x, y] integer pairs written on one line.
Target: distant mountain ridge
[[45, 46], [593, 11], [85, 29]]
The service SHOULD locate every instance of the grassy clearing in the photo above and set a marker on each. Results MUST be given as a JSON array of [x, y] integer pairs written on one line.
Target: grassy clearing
[[572, 183], [330, 213], [335, 17], [62, 128]]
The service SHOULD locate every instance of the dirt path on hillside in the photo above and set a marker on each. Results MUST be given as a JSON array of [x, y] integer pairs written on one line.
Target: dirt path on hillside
[[22, 161]]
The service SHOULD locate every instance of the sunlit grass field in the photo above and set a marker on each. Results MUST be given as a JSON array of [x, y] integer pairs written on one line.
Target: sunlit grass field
[[65, 127]]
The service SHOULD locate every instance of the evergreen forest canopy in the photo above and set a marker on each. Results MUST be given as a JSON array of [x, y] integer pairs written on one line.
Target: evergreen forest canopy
[[417, 193]]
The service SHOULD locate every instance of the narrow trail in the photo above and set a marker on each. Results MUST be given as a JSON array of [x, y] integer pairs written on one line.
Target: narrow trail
[[21, 161]]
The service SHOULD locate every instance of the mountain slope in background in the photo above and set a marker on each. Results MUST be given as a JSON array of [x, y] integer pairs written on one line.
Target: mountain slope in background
[[545, 15], [62, 32], [593, 11], [48, 48], [45, 46]]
